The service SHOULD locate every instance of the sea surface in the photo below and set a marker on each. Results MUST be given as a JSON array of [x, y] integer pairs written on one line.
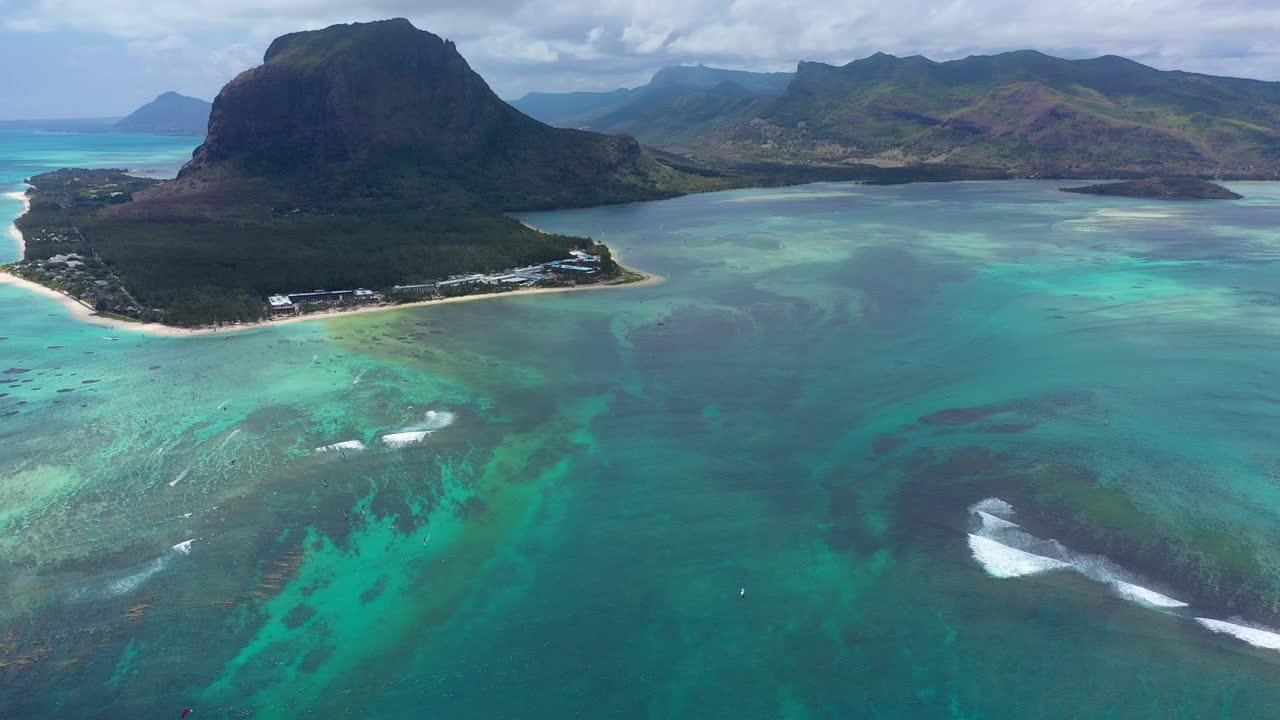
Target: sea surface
[[970, 450]]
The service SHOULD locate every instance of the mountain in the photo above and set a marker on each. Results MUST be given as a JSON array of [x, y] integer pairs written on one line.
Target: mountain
[[358, 155], [678, 103], [168, 114], [1023, 111], [563, 109]]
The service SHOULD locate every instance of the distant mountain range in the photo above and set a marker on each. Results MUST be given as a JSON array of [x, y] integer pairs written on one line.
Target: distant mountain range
[[168, 114], [1021, 112], [677, 104]]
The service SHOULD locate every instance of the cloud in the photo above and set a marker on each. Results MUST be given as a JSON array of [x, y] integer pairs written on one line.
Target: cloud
[[522, 45], [160, 45]]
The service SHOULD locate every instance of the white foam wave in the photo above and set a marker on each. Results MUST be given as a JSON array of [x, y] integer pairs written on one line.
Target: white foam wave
[[989, 521], [1257, 637], [1143, 596], [1002, 561], [184, 547], [359, 377], [993, 506], [403, 439], [181, 475], [133, 582], [993, 523], [228, 438], [354, 445], [435, 420]]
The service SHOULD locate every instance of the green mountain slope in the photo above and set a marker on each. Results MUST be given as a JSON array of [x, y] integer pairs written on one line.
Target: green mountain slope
[[679, 103], [1024, 111], [168, 114]]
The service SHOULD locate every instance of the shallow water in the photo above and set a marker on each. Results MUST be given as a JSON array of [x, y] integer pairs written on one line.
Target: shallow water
[[745, 492]]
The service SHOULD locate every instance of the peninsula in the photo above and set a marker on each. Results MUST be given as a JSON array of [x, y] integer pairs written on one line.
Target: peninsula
[[359, 156]]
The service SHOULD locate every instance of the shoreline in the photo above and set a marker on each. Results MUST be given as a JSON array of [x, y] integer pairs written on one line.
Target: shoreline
[[84, 313], [13, 225]]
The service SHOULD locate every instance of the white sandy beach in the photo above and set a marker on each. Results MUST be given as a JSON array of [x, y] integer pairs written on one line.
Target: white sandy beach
[[83, 312], [13, 227]]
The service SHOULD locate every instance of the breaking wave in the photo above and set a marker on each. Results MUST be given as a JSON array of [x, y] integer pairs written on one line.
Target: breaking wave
[[403, 439], [434, 420], [353, 445], [181, 475], [1002, 561], [129, 583], [1257, 637], [229, 438], [1005, 550], [1142, 595]]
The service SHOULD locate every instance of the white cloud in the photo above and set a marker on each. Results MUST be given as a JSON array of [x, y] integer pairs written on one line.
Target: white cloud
[[521, 45], [156, 46]]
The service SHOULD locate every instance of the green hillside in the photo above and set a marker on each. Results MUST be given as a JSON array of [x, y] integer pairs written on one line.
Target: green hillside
[[1024, 111]]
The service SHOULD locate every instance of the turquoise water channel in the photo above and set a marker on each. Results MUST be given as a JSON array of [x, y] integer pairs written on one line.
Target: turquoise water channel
[[972, 450]]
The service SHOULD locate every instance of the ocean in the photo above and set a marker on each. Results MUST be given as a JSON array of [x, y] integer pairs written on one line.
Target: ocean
[[966, 450]]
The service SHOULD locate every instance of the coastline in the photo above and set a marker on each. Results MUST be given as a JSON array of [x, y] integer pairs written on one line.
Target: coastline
[[84, 313], [13, 226]]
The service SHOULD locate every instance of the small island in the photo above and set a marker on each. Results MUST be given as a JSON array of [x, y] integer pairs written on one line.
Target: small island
[[1160, 189]]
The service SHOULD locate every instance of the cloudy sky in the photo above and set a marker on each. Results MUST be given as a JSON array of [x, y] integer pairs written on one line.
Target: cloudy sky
[[78, 58]]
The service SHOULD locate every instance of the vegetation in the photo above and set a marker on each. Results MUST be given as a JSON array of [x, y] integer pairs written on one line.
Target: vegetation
[[1020, 113], [1024, 112], [387, 161], [370, 155], [1161, 189]]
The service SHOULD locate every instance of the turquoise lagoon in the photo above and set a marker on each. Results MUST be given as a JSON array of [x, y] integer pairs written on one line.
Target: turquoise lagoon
[[973, 450]]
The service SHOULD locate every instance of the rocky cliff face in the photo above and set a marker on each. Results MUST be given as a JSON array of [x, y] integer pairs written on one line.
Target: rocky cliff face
[[381, 106]]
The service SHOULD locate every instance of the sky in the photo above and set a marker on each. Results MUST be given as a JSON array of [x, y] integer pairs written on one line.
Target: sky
[[100, 58]]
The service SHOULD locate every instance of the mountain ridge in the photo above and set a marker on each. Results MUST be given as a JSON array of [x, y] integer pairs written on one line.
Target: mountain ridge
[[1024, 111], [678, 102]]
